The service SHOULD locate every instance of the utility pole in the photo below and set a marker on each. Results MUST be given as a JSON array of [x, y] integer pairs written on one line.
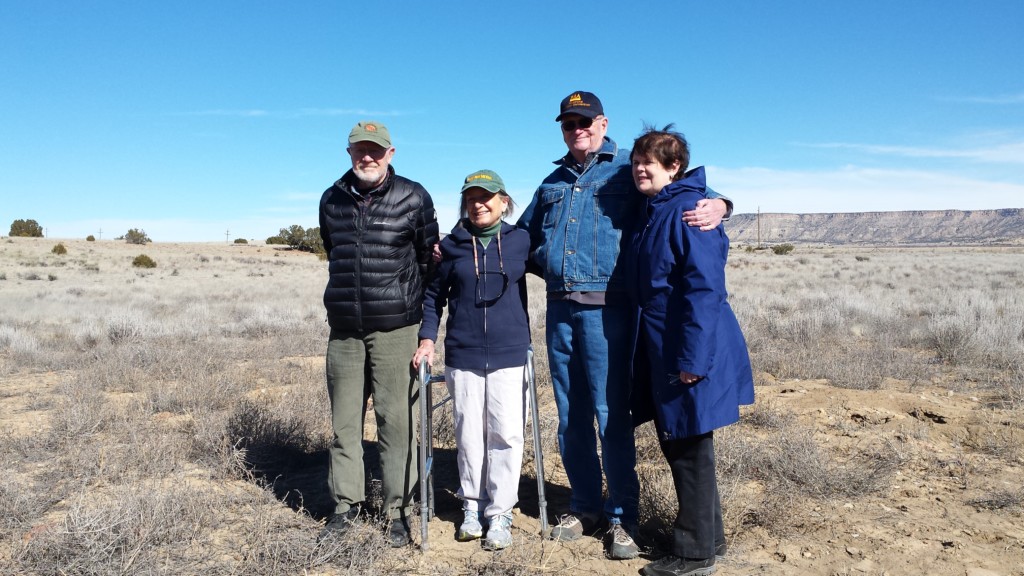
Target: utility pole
[[101, 233], [759, 227], [227, 234]]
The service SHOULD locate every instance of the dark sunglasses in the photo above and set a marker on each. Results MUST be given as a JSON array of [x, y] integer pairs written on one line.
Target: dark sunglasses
[[582, 124]]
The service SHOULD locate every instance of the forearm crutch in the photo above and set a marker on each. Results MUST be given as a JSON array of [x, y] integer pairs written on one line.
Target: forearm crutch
[[538, 452], [427, 408]]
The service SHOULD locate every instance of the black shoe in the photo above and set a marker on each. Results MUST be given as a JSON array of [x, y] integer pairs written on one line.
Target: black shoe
[[721, 550], [676, 566], [339, 524], [398, 533]]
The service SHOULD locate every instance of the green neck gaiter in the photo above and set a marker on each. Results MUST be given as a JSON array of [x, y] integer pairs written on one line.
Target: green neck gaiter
[[484, 234]]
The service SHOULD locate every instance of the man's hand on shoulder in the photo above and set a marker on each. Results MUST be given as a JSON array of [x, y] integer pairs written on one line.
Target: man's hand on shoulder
[[708, 215]]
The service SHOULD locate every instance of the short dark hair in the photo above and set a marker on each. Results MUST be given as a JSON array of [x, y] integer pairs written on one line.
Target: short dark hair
[[666, 146]]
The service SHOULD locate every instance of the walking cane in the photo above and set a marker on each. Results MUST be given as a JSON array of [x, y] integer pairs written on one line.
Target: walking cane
[[427, 447], [538, 452]]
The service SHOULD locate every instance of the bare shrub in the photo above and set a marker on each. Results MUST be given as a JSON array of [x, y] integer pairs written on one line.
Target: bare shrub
[[767, 414], [211, 446], [131, 530], [22, 502], [82, 411], [360, 551], [21, 345], [123, 328], [268, 438], [999, 499], [1011, 389], [953, 338]]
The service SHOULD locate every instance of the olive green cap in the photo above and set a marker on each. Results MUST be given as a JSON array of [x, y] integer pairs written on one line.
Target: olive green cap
[[486, 179], [370, 131]]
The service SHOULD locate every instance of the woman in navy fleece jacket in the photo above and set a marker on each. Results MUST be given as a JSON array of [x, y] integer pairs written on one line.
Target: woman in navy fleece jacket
[[481, 279], [690, 363]]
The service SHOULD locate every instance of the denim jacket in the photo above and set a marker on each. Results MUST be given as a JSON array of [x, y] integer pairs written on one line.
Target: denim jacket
[[578, 222]]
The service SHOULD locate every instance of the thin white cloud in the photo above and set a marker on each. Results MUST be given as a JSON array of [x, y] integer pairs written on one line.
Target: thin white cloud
[[1000, 99], [855, 189], [1006, 153]]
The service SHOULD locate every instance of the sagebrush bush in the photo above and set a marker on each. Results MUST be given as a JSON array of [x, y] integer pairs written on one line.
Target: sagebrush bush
[[59, 249], [783, 249], [143, 261], [136, 236], [953, 337], [241, 241], [90, 238]]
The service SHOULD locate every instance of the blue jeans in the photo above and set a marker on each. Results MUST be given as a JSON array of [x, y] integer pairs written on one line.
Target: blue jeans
[[588, 355]]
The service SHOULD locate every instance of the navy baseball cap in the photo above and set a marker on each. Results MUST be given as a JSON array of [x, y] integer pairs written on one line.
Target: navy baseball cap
[[583, 103]]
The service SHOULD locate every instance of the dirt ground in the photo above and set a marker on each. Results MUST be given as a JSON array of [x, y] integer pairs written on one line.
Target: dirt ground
[[922, 524]]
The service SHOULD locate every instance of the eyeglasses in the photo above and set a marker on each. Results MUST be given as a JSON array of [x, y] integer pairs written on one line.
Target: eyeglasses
[[359, 152], [490, 286], [582, 124]]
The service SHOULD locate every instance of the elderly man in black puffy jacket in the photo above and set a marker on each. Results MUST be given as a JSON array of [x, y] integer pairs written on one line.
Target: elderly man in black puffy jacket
[[378, 229]]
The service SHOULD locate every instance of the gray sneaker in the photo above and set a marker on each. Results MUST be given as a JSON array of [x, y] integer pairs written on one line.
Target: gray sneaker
[[471, 528], [620, 543], [573, 526], [499, 533]]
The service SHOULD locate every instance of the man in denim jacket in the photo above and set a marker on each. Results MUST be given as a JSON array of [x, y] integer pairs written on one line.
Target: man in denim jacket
[[577, 219]]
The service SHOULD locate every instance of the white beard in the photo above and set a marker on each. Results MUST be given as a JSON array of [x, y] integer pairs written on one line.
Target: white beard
[[369, 177]]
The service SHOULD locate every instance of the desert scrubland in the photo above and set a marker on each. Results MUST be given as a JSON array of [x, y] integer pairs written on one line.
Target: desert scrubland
[[174, 420]]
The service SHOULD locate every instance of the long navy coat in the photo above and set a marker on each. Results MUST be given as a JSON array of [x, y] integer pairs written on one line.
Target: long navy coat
[[683, 320]]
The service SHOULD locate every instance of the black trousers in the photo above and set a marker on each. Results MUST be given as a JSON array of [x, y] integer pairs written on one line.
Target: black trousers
[[698, 526]]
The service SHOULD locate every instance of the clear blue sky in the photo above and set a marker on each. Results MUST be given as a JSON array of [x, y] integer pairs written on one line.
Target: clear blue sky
[[193, 119]]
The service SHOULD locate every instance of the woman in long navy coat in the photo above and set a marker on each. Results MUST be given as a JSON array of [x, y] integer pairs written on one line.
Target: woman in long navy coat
[[690, 363]]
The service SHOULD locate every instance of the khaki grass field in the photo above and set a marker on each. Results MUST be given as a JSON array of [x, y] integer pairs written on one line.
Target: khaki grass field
[[174, 420]]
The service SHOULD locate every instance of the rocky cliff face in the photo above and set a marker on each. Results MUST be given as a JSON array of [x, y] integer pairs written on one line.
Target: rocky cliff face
[[912, 227]]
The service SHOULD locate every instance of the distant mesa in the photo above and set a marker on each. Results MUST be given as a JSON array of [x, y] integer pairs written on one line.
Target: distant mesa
[[915, 227]]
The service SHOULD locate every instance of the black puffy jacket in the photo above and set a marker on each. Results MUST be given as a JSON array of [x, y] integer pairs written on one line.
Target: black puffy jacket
[[379, 248]]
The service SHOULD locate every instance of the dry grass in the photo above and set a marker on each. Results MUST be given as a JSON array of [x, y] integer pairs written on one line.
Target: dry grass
[[183, 421]]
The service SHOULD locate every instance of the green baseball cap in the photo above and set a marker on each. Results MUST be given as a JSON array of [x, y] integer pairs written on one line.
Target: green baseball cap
[[370, 131], [486, 179]]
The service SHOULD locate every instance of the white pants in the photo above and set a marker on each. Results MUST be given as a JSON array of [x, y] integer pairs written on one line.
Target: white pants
[[490, 415]]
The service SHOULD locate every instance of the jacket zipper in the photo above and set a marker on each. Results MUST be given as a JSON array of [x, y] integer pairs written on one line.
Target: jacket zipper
[[487, 364]]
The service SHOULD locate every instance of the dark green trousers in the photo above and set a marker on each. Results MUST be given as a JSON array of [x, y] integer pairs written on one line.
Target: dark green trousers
[[373, 365]]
